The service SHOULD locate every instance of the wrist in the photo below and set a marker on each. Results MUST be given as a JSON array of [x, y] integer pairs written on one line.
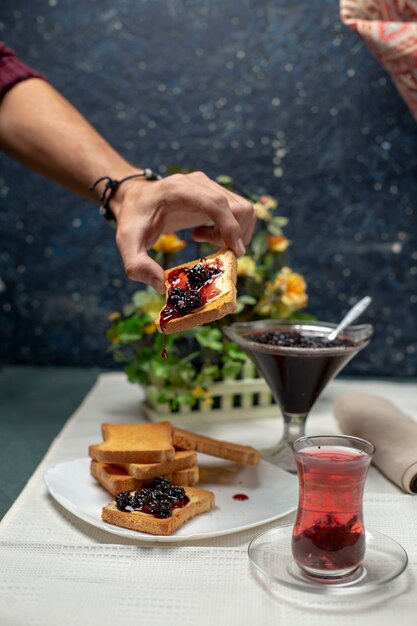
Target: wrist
[[124, 191], [111, 198], [97, 188]]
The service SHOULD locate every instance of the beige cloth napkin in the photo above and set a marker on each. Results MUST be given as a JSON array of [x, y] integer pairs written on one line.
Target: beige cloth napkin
[[393, 434]]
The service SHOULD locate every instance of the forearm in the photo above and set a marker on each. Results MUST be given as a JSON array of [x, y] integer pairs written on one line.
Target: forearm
[[46, 133], [42, 130]]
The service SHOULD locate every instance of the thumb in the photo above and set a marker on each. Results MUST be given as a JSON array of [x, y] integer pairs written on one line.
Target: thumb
[[144, 269], [138, 264]]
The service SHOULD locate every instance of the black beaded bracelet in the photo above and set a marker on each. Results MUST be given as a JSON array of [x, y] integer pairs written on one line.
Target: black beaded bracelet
[[112, 186]]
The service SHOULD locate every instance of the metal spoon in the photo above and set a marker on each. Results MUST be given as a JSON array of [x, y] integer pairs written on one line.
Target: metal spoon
[[350, 316]]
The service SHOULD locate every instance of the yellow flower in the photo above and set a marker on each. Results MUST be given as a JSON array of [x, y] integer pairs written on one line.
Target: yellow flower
[[206, 404], [169, 243], [268, 201], [200, 392], [149, 329], [116, 340], [246, 266], [204, 396], [293, 288], [264, 206], [113, 316], [277, 243]]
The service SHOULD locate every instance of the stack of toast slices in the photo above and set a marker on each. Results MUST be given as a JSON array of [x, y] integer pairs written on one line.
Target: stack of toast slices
[[131, 456]]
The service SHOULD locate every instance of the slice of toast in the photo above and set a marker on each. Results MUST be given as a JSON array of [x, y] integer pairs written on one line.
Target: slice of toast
[[134, 443], [181, 460], [114, 480], [186, 440], [186, 477], [220, 293], [200, 502]]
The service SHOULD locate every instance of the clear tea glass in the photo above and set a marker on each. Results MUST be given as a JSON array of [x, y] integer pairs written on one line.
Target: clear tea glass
[[328, 539]]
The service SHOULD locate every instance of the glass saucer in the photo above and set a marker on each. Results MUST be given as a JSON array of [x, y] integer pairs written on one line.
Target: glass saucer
[[270, 553]]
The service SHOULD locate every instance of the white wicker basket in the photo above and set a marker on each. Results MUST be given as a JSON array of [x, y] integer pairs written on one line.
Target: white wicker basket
[[246, 398]]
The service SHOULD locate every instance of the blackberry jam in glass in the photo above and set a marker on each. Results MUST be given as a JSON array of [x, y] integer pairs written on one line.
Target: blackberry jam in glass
[[297, 360]]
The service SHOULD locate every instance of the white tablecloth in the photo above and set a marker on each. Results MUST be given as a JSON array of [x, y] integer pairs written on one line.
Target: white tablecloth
[[56, 570]]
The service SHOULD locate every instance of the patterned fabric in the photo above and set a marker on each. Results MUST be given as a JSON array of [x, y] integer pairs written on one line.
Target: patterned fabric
[[389, 28], [12, 70]]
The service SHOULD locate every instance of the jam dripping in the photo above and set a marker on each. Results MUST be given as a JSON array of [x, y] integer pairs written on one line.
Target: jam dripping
[[164, 348]]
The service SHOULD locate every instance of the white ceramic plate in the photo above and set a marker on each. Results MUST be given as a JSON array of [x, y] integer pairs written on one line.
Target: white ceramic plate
[[272, 493]]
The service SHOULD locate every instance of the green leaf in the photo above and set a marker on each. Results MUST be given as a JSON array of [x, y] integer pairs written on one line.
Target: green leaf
[[128, 310], [164, 396], [185, 398], [135, 374], [259, 244], [188, 358], [207, 375], [120, 356], [301, 315], [178, 169], [274, 229], [233, 351], [132, 325], [245, 299], [182, 378], [232, 369], [224, 180], [148, 302], [126, 338], [210, 338], [280, 221]]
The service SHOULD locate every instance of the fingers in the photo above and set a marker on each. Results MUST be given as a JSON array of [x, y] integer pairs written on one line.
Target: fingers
[[209, 234], [191, 200], [138, 264], [241, 208], [176, 202], [244, 212], [226, 227]]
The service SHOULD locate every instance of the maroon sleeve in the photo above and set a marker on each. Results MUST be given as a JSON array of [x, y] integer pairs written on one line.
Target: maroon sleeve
[[12, 70]]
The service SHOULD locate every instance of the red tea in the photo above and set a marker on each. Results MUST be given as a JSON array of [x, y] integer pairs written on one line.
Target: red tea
[[329, 535]]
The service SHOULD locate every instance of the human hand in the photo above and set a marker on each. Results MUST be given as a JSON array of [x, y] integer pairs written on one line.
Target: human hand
[[145, 209]]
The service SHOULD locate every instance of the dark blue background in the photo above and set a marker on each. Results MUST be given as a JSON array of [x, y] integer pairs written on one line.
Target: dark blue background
[[278, 94]]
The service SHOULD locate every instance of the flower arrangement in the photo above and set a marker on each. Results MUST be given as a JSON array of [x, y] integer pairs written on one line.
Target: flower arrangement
[[196, 358]]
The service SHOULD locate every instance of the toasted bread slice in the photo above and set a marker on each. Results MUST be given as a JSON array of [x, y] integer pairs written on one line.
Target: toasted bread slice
[[200, 502], [134, 443], [186, 477], [220, 300], [114, 479], [186, 440], [181, 460]]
